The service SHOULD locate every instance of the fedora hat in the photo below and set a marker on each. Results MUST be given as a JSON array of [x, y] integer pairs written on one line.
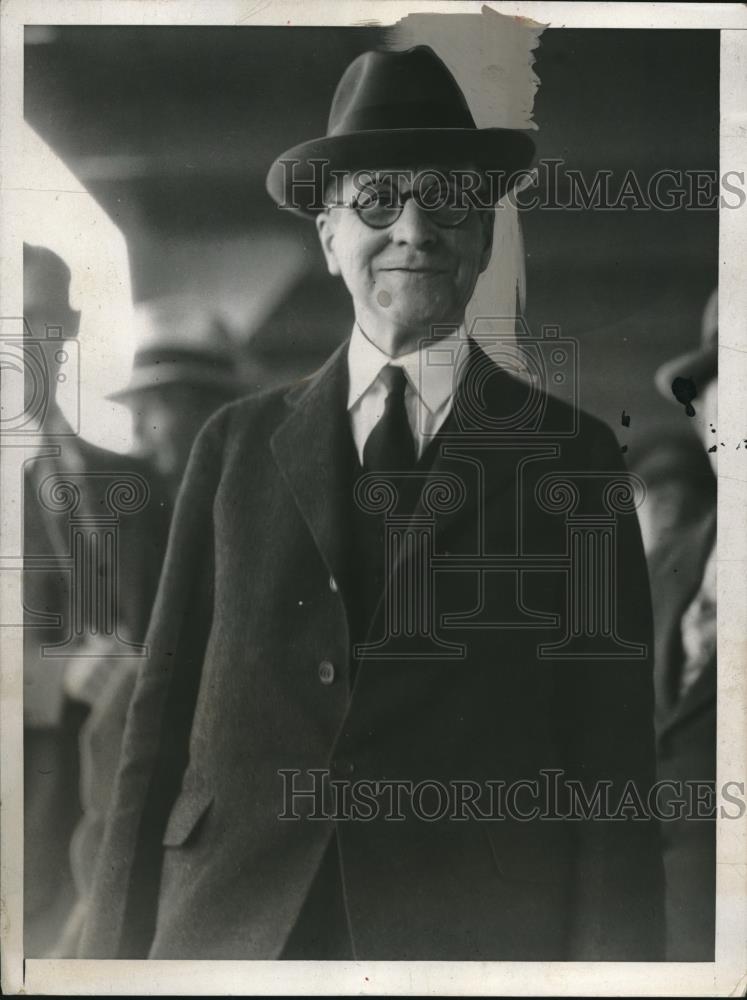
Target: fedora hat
[[180, 343], [395, 109], [700, 365]]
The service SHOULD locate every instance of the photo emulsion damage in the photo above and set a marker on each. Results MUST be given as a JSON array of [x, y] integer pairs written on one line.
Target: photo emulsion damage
[[369, 605]]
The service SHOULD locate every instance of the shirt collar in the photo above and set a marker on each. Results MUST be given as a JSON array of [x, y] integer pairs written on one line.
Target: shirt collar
[[432, 381]]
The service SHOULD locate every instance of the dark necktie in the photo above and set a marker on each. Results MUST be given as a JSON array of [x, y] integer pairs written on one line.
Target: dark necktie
[[390, 446]]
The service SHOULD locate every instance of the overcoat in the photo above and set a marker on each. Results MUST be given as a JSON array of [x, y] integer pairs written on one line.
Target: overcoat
[[686, 746], [250, 674]]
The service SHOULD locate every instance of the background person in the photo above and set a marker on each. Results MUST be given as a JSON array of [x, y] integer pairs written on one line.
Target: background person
[[185, 367], [60, 689], [680, 488], [683, 583]]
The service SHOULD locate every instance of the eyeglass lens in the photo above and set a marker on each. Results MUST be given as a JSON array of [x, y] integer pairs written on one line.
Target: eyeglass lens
[[380, 203]]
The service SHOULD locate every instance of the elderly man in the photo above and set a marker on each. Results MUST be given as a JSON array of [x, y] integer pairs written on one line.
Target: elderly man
[[365, 593]]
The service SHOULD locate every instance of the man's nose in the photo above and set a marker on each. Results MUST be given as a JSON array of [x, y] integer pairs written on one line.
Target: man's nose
[[414, 226]]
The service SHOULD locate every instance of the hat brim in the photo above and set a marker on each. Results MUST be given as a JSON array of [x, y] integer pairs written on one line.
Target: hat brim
[[147, 381], [298, 178], [700, 365]]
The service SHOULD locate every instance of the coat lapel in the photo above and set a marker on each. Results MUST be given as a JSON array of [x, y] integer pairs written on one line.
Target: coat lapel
[[466, 448], [312, 449]]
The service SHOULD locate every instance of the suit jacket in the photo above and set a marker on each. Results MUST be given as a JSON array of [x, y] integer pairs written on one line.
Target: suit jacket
[[252, 610], [686, 744]]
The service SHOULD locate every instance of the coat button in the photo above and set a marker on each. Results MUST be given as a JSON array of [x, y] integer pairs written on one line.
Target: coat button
[[333, 585], [326, 672]]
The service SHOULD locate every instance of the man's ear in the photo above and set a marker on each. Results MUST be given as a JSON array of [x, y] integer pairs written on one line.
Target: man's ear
[[325, 227], [487, 223]]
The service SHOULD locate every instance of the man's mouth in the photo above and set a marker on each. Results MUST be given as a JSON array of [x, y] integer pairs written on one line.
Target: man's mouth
[[417, 270]]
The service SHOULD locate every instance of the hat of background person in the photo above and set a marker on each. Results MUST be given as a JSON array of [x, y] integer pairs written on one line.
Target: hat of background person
[[180, 343], [395, 109], [45, 275], [700, 365]]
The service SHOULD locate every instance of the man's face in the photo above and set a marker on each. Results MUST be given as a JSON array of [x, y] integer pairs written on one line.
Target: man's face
[[165, 422], [409, 276]]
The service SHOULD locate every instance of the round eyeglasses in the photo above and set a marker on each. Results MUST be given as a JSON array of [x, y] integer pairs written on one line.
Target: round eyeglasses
[[381, 202]]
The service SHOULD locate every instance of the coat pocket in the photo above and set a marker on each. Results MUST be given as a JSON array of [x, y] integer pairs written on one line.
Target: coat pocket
[[187, 814]]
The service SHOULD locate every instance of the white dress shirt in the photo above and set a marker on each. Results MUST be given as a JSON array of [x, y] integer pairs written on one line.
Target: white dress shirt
[[431, 379]]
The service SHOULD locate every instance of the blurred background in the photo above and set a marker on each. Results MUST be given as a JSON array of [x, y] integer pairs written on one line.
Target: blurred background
[[171, 130]]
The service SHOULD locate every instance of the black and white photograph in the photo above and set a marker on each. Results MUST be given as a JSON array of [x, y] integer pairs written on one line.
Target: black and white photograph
[[372, 553]]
